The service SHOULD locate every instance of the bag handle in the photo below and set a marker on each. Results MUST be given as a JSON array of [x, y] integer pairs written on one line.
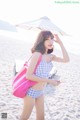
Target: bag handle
[[40, 57], [27, 60], [30, 58]]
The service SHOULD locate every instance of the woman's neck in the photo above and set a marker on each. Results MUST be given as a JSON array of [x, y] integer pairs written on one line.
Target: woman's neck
[[46, 52]]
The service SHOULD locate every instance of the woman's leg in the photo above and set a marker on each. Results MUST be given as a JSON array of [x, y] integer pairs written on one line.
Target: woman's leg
[[27, 108], [39, 104]]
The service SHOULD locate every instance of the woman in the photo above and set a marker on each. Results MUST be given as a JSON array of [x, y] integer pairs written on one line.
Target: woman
[[35, 96]]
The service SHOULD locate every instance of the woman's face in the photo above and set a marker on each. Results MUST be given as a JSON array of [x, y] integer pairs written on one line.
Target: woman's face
[[48, 43]]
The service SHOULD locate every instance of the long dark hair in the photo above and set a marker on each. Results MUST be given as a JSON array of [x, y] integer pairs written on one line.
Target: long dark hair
[[39, 44]]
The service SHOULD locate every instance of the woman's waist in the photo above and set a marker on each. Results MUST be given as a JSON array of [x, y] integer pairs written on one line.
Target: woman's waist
[[39, 86]]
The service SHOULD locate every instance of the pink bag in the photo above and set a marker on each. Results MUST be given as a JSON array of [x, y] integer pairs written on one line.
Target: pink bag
[[20, 83]]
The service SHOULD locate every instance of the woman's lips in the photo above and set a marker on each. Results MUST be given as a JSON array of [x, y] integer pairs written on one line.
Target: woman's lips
[[50, 45]]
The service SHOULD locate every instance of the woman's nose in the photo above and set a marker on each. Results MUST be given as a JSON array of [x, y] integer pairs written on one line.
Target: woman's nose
[[51, 41]]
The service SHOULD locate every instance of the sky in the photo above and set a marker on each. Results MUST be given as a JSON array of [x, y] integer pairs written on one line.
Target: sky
[[66, 16]]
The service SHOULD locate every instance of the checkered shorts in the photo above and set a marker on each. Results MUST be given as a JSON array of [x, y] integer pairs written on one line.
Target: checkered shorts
[[34, 93]]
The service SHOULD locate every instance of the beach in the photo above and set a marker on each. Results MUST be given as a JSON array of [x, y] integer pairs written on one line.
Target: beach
[[61, 102]]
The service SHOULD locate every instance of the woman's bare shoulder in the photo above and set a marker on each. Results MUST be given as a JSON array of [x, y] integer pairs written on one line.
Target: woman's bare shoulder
[[34, 60], [35, 56], [53, 56]]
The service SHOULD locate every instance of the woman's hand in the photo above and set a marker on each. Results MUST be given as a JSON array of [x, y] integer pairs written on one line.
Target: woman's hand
[[57, 39], [55, 82]]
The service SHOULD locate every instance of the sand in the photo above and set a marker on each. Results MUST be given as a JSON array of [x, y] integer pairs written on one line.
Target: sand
[[61, 103]]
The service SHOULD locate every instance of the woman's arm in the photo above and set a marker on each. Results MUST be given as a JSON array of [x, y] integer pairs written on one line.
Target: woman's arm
[[30, 72], [65, 57]]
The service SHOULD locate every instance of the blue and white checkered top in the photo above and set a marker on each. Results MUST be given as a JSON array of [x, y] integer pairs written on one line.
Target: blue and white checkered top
[[43, 69]]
